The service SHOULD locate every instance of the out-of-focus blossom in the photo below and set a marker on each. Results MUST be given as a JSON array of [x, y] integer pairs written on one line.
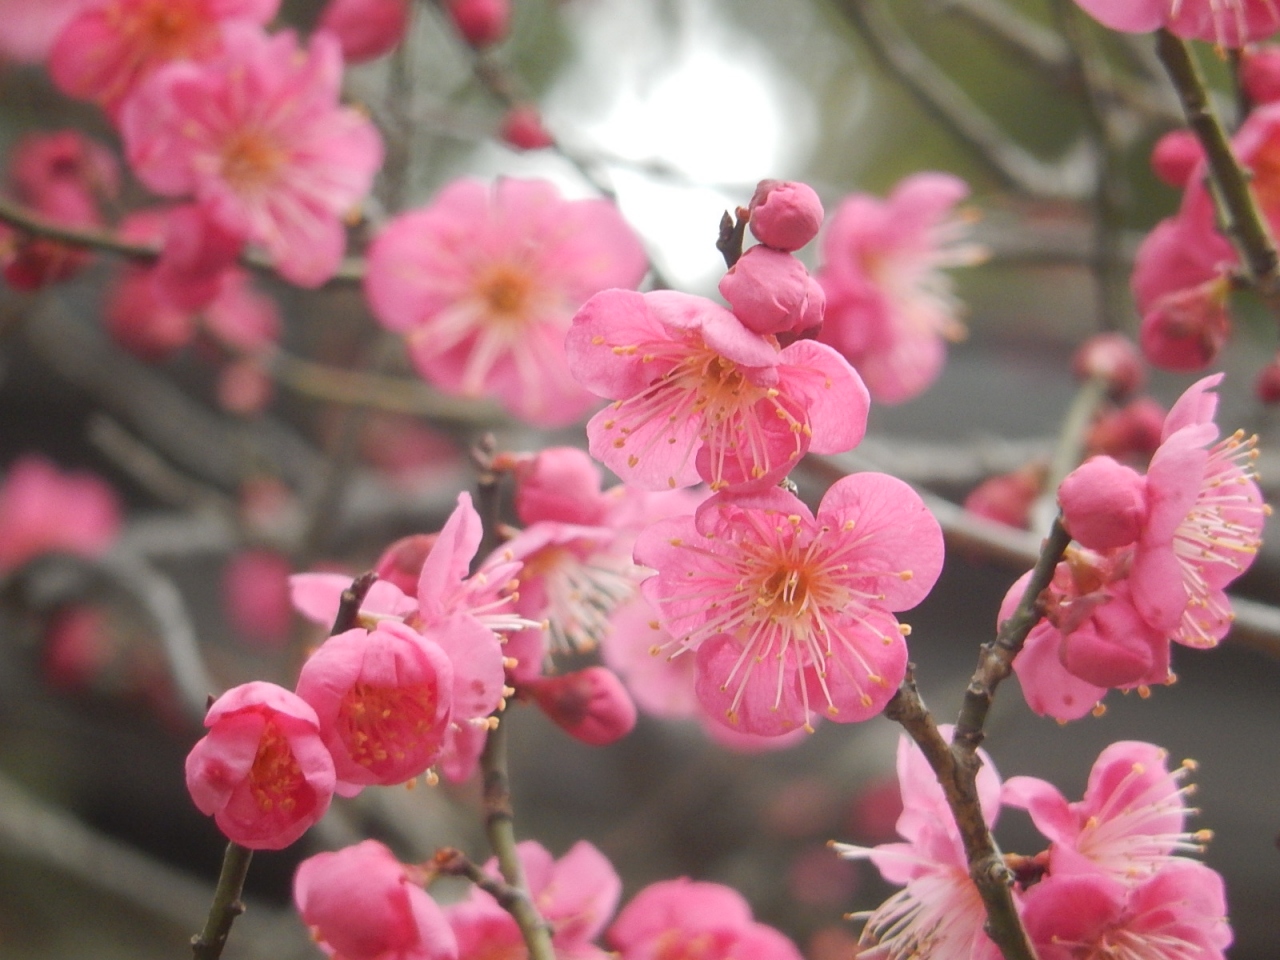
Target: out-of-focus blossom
[[1227, 23], [682, 918], [257, 136], [483, 284], [30, 26], [255, 595], [1112, 358], [366, 29], [1260, 73], [1175, 156], [111, 46], [576, 895], [890, 309], [523, 129], [1130, 434], [790, 615], [43, 510], [1267, 386], [698, 396], [1008, 497], [482, 23], [590, 705], [361, 903], [262, 772]]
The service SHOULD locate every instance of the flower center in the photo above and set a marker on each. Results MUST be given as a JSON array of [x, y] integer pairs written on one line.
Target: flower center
[[383, 726], [250, 161], [784, 594], [275, 777], [506, 291], [167, 30]]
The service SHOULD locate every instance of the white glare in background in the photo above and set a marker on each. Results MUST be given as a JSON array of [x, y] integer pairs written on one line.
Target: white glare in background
[[701, 98]]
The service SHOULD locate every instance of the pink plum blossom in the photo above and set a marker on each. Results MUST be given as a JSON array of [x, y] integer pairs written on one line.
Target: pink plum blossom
[[890, 308], [1179, 912], [366, 29], [30, 26], [1227, 23], [1112, 358], [771, 292], [591, 705], [111, 46], [483, 284], [790, 615], [576, 895], [683, 918], [257, 136], [699, 396], [255, 595], [383, 698], [262, 771], [938, 912], [361, 903], [43, 510], [1131, 821]]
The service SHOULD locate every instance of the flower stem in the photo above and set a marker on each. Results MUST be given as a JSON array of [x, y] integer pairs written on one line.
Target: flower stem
[[499, 825], [226, 906]]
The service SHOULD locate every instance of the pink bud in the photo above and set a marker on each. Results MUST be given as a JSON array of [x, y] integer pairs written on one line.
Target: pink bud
[[591, 705], [771, 292], [1176, 156], [560, 484], [244, 388], [366, 29], [1132, 432], [1267, 386], [142, 323], [1113, 358], [401, 563], [522, 128], [1104, 503], [1260, 74], [481, 22], [785, 214], [77, 647], [1007, 497], [255, 595]]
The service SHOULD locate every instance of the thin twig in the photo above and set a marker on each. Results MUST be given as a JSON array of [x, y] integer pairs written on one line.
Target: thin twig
[[226, 906], [352, 599], [938, 94], [451, 862]]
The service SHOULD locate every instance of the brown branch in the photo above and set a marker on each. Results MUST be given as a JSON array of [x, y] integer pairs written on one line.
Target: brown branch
[[454, 863], [349, 607], [733, 232]]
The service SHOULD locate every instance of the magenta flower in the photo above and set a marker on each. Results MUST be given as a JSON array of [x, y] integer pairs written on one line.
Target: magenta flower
[[576, 896], [366, 28], [361, 903], [938, 912], [483, 284], [790, 615], [1178, 913], [257, 136], [43, 510], [890, 309], [699, 396], [110, 46], [262, 772], [1228, 23], [682, 918], [1131, 822]]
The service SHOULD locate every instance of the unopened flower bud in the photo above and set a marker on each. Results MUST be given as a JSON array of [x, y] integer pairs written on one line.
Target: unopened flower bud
[[785, 214], [1104, 503], [482, 23], [1132, 432], [1183, 331], [771, 292], [1007, 498], [1175, 157], [401, 563], [1113, 358], [1267, 386], [591, 705], [1260, 74], [522, 128]]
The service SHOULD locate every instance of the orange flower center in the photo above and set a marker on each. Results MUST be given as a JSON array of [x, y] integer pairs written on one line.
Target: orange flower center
[[506, 290], [384, 724], [168, 29], [250, 161], [275, 777]]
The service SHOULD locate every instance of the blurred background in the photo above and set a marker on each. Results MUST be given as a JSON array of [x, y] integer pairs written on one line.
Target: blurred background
[[677, 107]]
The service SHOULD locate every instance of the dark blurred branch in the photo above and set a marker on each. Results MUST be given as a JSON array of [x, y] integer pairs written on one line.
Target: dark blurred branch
[[1037, 46], [951, 106]]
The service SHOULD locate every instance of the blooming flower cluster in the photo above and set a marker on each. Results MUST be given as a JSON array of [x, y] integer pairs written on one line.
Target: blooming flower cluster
[[1228, 23], [1114, 881], [1154, 556]]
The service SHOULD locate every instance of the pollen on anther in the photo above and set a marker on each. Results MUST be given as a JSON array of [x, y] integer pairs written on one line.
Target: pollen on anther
[[904, 629]]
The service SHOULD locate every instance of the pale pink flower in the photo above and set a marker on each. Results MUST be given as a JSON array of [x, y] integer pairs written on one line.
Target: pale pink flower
[[262, 771], [576, 895], [890, 308], [30, 26], [366, 28], [683, 918], [790, 615], [939, 912], [1178, 913], [384, 699], [43, 510], [111, 46], [361, 903], [257, 136], [699, 396], [1131, 821], [483, 284], [1227, 23]]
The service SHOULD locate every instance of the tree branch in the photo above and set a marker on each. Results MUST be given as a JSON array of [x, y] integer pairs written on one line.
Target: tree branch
[[226, 906]]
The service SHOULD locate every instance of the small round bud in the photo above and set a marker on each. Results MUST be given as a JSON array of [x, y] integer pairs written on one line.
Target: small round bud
[[522, 128], [1175, 157], [1113, 358], [771, 292], [785, 214], [482, 23]]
